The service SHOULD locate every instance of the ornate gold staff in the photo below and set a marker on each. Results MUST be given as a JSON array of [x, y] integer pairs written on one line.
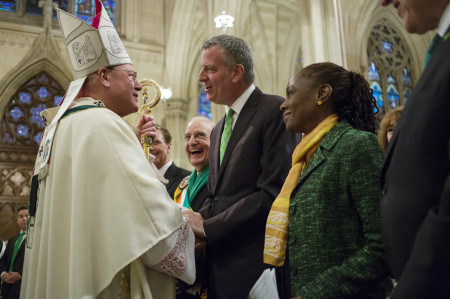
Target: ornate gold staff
[[146, 109]]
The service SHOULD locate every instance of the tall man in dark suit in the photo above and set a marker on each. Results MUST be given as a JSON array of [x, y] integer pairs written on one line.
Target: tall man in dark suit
[[160, 148], [11, 264], [250, 156], [416, 173]]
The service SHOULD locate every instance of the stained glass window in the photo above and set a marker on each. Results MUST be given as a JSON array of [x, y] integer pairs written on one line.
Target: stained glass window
[[387, 46], [204, 106], [373, 72], [85, 9], [22, 123], [378, 95], [8, 5], [406, 77], [392, 92], [389, 65], [407, 83], [62, 4], [32, 6]]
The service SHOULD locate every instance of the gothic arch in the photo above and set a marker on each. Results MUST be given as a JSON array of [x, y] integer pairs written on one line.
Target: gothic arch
[[16, 162], [417, 45], [19, 76]]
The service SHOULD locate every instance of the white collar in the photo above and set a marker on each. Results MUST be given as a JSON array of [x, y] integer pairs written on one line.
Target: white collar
[[240, 102], [444, 22], [165, 167]]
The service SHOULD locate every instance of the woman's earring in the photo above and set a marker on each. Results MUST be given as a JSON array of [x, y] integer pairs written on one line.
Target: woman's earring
[[319, 103]]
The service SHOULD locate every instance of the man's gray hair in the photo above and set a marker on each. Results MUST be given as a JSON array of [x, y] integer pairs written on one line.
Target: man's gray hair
[[235, 51]]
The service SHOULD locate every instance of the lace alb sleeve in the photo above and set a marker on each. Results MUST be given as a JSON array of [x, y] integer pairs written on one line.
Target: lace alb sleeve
[[174, 255]]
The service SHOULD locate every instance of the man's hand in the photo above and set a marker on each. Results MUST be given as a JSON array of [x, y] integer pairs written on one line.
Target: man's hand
[[11, 277], [200, 245], [195, 221], [146, 125]]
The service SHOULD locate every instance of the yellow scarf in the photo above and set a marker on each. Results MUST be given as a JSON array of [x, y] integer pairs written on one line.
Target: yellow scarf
[[278, 219]]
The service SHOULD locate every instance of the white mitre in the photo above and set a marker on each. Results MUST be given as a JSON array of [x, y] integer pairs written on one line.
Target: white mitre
[[90, 47]]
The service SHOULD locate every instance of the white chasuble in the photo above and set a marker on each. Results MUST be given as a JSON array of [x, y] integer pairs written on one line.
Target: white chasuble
[[104, 227]]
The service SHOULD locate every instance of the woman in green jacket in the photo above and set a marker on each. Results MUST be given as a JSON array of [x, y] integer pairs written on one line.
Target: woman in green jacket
[[328, 211]]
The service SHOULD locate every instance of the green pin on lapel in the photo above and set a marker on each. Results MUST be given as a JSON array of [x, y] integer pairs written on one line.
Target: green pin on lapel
[[446, 36]]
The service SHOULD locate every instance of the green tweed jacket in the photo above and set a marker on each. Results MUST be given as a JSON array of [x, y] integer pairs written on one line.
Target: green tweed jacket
[[335, 248]]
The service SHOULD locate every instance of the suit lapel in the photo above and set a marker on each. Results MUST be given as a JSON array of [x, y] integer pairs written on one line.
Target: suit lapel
[[324, 148], [214, 154], [316, 160], [244, 118], [170, 174], [22, 246]]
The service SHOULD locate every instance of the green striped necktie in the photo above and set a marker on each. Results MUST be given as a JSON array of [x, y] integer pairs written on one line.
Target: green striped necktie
[[226, 133]]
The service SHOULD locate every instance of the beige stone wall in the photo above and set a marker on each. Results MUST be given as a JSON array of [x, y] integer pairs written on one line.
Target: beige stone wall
[[163, 38]]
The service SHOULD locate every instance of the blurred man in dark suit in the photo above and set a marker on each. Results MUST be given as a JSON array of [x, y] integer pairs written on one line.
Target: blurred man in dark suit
[[11, 264], [416, 173], [160, 148]]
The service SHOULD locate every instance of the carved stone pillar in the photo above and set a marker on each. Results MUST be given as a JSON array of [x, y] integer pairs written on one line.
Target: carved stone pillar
[[16, 169], [175, 120]]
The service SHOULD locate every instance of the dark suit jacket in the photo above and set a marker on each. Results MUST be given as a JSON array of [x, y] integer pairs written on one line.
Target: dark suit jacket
[[175, 175], [12, 291], [241, 192], [416, 187], [199, 200], [196, 204]]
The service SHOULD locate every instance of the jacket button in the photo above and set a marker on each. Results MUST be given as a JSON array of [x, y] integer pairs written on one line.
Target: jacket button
[[216, 198]]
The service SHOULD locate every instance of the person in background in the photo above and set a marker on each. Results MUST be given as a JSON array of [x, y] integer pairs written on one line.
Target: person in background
[[327, 212], [415, 180], [160, 148], [248, 161], [387, 126], [192, 191], [11, 265]]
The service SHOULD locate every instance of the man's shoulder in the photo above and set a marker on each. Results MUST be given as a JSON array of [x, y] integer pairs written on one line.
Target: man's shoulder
[[268, 103], [350, 136], [182, 171], [178, 170], [96, 117], [270, 99], [13, 239]]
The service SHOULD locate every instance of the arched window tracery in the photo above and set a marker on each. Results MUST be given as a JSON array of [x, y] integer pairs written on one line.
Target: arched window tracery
[[22, 123], [389, 67]]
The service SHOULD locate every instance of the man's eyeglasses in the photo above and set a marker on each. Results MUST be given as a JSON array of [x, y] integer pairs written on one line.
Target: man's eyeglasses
[[131, 75], [197, 136]]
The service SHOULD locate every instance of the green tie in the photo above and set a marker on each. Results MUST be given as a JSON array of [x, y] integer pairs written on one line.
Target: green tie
[[16, 248], [430, 50], [226, 133]]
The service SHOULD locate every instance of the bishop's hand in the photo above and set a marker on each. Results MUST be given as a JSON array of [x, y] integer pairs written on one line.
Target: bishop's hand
[[146, 126]]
